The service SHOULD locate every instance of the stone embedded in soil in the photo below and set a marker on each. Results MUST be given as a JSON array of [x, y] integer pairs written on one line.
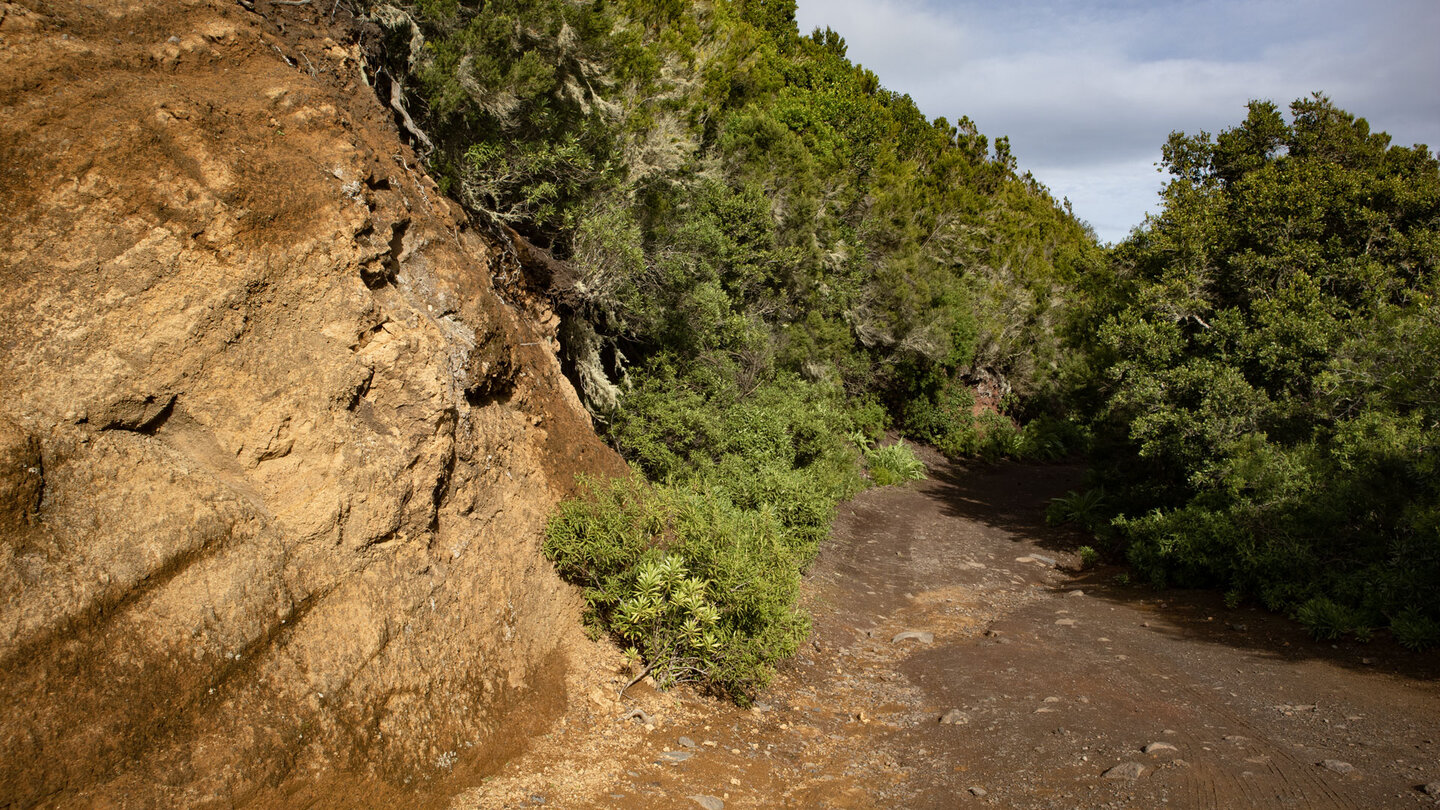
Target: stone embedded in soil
[[979, 791], [676, 756], [954, 717], [709, 802], [687, 742], [1159, 747], [1125, 770], [1432, 789], [1337, 766], [922, 636], [637, 714]]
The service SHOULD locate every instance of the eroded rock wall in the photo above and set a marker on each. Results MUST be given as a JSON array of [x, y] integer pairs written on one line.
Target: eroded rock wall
[[274, 457]]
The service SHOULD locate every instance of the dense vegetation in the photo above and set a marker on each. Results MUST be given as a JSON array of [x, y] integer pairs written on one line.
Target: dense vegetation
[[1266, 374], [775, 259], [772, 260]]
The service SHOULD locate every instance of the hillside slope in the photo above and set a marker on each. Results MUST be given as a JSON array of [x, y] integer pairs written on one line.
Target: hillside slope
[[274, 456]]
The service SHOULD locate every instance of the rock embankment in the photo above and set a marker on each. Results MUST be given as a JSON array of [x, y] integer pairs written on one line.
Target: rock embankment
[[274, 456]]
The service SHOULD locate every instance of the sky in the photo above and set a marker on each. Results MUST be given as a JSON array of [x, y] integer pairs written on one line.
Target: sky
[[1088, 90]]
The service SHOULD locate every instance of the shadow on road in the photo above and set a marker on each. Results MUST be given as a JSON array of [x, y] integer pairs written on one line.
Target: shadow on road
[[1013, 496]]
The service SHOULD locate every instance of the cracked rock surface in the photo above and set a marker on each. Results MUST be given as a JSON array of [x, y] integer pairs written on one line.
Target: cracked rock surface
[[274, 456]]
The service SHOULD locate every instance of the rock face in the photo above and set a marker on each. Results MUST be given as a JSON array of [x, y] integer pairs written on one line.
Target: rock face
[[274, 456]]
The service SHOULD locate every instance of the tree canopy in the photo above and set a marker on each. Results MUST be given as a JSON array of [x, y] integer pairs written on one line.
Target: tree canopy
[[1264, 375]]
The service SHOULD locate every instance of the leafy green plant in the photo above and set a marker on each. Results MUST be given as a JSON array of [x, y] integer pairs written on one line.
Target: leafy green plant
[[670, 620], [894, 464], [1414, 630], [1083, 508], [703, 590], [1089, 557], [1325, 619]]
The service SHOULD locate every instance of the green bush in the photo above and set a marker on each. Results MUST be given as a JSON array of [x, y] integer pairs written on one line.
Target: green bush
[[704, 591], [1084, 509], [1414, 630], [894, 464], [1327, 620]]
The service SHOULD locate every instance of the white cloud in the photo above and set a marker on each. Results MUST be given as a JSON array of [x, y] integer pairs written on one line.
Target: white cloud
[[1088, 91]]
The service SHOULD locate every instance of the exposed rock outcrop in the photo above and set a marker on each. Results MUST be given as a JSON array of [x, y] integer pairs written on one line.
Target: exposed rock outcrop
[[274, 457]]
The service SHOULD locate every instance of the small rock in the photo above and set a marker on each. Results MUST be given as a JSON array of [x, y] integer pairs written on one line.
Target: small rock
[[922, 636], [1432, 789], [1157, 747], [1065, 622], [760, 706], [1050, 561], [687, 742], [979, 791], [1337, 766], [709, 802], [676, 756], [1073, 594], [1125, 770], [637, 714], [954, 717]]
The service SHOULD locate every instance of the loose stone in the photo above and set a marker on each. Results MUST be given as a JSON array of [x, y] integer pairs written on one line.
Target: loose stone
[[1337, 766], [954, 717], [1125, 770]]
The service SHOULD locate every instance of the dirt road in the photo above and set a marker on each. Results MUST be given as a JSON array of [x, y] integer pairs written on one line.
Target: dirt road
[[958, 661]]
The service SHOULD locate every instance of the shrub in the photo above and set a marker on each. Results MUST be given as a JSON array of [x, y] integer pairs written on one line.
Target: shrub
[[704, 591], [1414, 630], [1327, 620], [894, 464], [1083, 509], [1088, 556]]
